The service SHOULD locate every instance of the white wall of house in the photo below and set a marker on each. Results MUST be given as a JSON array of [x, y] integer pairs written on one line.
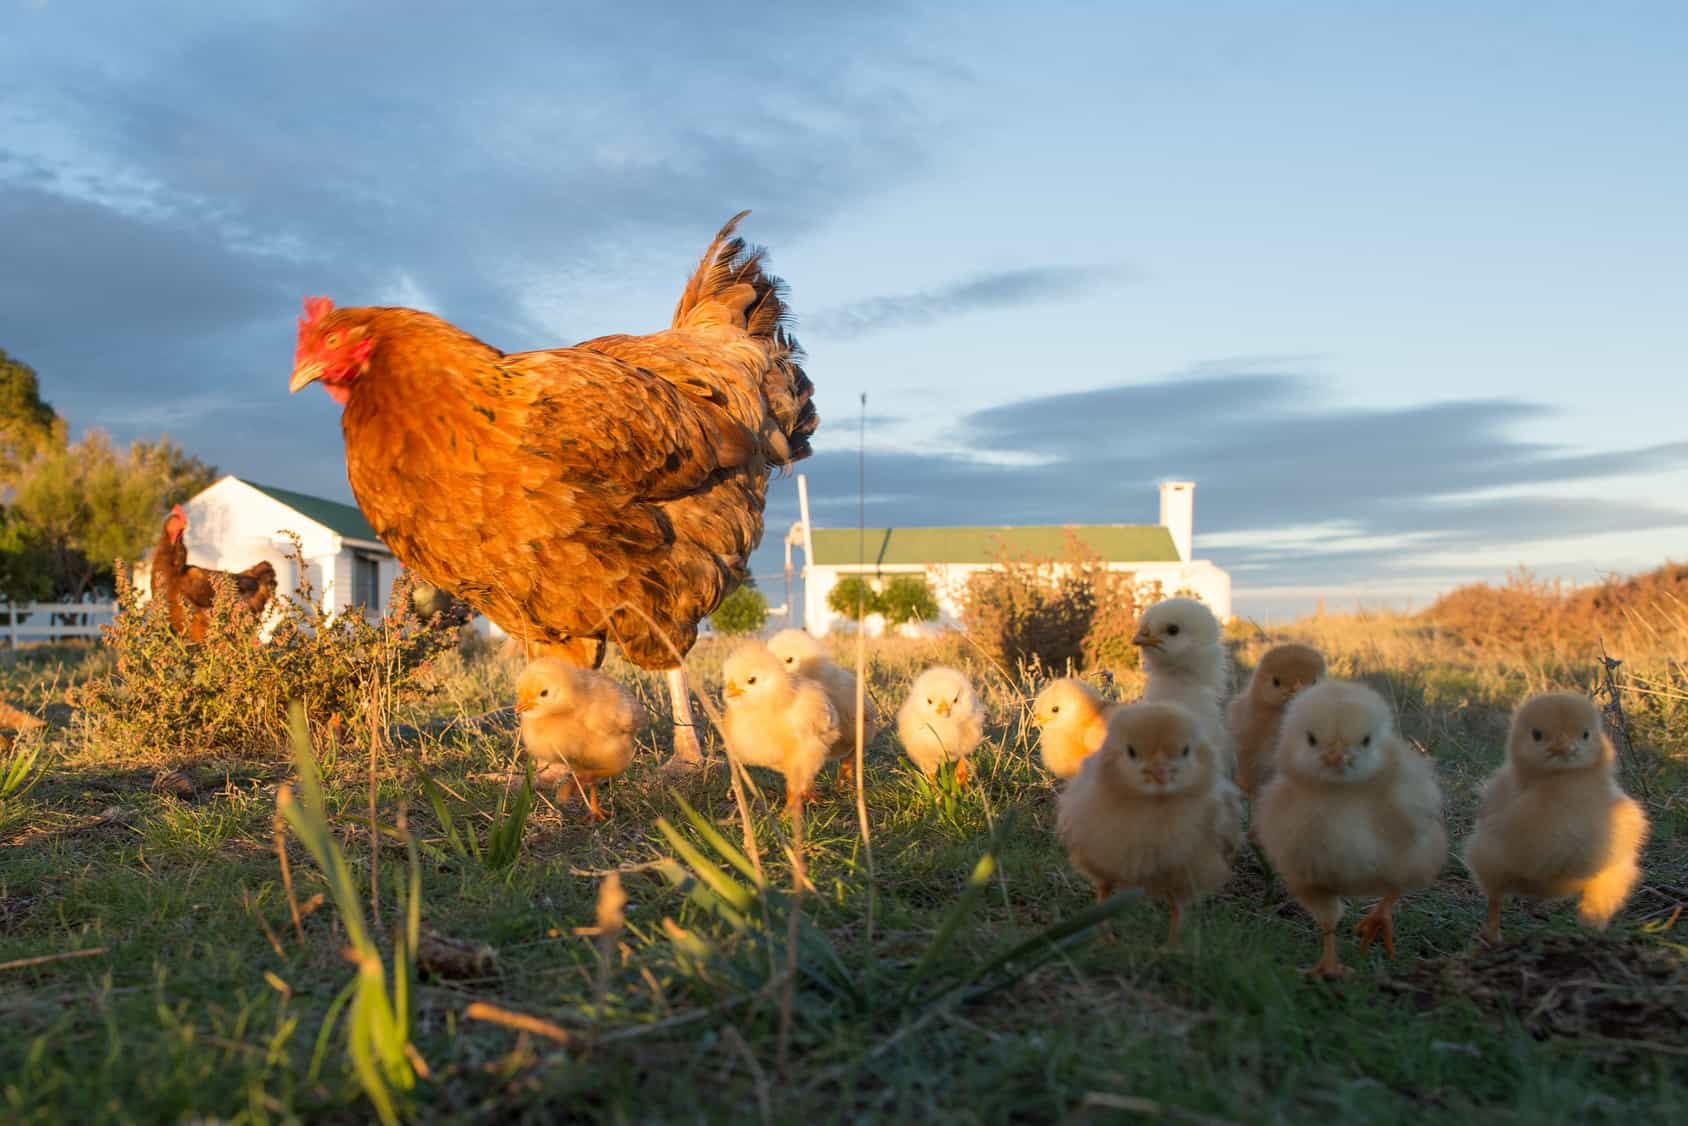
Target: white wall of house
[[949, 582], [232, 526]]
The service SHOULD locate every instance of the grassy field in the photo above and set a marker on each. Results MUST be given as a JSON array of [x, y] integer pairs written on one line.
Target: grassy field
[[204, 1001]]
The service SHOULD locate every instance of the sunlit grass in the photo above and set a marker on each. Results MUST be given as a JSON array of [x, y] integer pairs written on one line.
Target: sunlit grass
[[207, 1000]]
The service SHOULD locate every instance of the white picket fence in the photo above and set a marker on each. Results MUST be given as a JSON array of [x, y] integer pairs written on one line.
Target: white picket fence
[[54, 621]]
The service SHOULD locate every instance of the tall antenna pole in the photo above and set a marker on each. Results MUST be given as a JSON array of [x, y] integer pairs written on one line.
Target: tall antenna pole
[[861, 665]]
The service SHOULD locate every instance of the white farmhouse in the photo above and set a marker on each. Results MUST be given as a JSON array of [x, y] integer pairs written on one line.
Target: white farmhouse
[[234, 524], [948, 557]]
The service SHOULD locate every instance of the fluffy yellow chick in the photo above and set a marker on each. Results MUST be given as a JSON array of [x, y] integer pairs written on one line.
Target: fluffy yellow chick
[[803, 656], [1072, 721], [777, 720], [580, 719], [1352, 810], [1151, 810], [941, 721], [1554, 822], [1187, 665], [1255, 716]]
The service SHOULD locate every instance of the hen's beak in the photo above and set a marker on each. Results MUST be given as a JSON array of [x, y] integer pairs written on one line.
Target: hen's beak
[[305, 374]]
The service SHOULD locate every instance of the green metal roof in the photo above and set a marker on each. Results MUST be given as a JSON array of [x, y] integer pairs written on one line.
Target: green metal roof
[[1113, 543], [345, 519]]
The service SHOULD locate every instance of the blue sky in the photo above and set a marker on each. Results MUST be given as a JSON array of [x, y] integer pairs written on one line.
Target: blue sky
[[1399, 286]]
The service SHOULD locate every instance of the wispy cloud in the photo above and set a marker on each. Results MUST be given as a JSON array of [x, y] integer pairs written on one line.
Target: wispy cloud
[[1292, 487], [999, 290]]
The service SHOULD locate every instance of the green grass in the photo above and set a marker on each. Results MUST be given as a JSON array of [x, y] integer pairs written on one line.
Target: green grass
[[206, 1002]]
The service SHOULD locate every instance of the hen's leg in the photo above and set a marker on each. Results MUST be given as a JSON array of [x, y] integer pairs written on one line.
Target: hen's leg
[[1491, 927], [688, 750]]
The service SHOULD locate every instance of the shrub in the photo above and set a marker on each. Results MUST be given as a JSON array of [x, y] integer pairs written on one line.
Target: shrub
[[742, 611], [230, 693], [907, 598], [853, 597], [1055, 614]]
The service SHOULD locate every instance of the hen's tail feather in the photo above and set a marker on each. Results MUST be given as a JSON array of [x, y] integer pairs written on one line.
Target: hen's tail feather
[[730, 278]]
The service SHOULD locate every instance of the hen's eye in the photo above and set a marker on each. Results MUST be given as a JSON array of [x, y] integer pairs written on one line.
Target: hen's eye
[[1130, 750], [1172, 631], [332, 340], [1312, 740], [1536, 734]]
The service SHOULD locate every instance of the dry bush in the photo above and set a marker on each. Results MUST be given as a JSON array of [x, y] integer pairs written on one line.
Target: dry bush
[[1056, 615], [1528, 615], [229, 693]]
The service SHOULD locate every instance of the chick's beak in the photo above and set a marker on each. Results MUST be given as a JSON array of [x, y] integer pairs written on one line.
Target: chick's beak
[[1143, 639], [305, 373], [1336, 755], [943, 708], [524, 703], [731, 690], [1559, 748]]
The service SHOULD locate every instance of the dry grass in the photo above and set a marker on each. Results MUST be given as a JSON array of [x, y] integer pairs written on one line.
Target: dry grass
[[206, 1001]]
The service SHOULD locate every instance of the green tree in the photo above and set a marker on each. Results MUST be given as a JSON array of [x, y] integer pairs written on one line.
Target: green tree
[[908, 598], [27, 425], [742, 611], [853, 597], [90, 503]]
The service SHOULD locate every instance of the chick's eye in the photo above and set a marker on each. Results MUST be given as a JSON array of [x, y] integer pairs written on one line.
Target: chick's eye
[[1585, 735], [1366, 742], [1276, 683], [544, 691], [1056, 710], [1312, 740], [1536, 734], [750, 680], [1130, 750], [1172, 631], [1185, 753]]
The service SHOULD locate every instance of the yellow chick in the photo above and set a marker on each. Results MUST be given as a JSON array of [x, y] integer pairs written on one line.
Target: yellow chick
[[777, 720], [1554, 822], [1255, 716], [803, 656], [1180, 640], [1151, 810], [1352, 810], [941, 721], [580, 719], [1071, 717]]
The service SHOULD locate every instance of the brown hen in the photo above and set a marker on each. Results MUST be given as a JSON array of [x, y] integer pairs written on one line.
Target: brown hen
[[189, 592], [612, 491]]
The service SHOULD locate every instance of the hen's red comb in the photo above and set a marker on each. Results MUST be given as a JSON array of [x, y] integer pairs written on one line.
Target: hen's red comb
[[316, 308], [176, 510]]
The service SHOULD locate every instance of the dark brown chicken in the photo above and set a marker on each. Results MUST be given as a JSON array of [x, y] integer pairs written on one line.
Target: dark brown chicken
[[189, 592], [612, 491]]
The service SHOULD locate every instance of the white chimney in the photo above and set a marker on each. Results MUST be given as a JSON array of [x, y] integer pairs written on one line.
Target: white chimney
[[1178, 514]]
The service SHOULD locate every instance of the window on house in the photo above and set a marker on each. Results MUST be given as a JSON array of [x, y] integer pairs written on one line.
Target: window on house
[[366, 582]]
